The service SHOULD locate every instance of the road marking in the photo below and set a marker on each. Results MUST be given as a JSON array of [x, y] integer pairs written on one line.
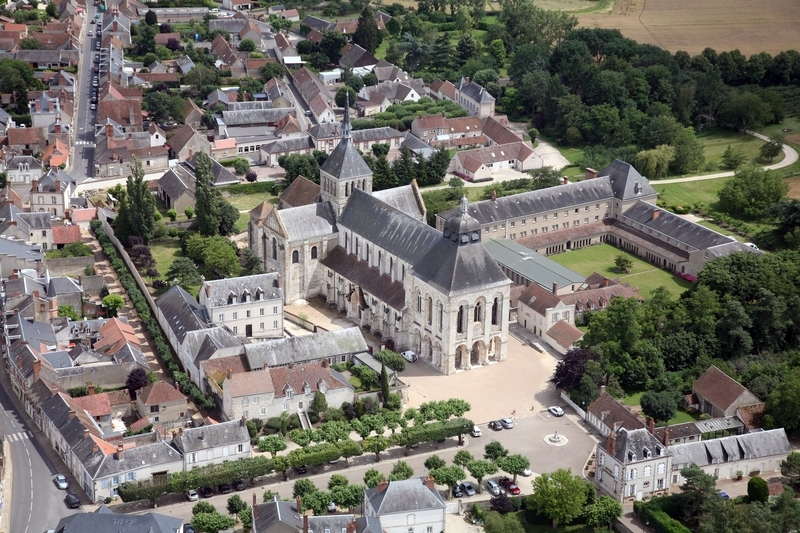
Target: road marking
[[17, 437]]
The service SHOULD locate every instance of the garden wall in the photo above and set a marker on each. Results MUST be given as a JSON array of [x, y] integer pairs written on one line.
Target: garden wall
[[581, 412], [64, 266]]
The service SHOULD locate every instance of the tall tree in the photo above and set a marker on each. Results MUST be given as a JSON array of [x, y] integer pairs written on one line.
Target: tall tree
[[751, 191], [206, 203], [367, 34], [560, 496], [331, 45], [384, 385], [141, 204]]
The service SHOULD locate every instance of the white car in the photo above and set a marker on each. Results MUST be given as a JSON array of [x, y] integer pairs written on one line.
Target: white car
[[192, 495], [61, 481], [476, 431], [409, 355], [556, 410], [527, 472]]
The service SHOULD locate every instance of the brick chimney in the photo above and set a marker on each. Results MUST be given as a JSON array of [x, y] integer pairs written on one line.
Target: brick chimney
[[430, 483], [53, 308], [590, 173], [53, 390], [666, 436], [564, 180], [382, 486], [109, 130], [37, 369], [351, 527], [58, 185], [91, 388], [494, 194], [95, 448], [305, 523], [467, 80], [243, 421], [651, 426], [35, 294], [34, 187], [230, 374], [611, 443], [606, 282], [255, 507], [114, 155], [555, 288], [115, 26], [71, 414], [85, 432], [298, 504], [120, 451], [602, 389], [655, 214], [57, 127]]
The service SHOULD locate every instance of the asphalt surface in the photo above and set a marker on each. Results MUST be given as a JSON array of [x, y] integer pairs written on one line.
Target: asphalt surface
[[83, 155]]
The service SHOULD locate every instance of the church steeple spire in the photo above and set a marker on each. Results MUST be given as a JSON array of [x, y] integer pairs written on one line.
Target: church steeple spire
[[346, 121]]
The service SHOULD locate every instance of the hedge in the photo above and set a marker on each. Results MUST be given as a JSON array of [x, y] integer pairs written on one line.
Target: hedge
[[259, 187], [659, 520], [151, 325]]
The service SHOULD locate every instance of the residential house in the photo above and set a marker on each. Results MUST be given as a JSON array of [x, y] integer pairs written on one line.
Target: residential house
[[286, 517], [599, 297], [163, 39], [176, 188], [27, 141], [474, 98], [162, 403], [720, 395], [23, 169], [213, 443], [186, 142], [438, 130], [249, 305], [56, 154], [6, 122], [52, 192], [184, 65], [227, 57], [337, 346], [722, 458], [175, 14], [192, 114], [408, 506], [387, 72], [316, 23], [396, 91], [20, 255], [478, 164], [632, 464], [236, 5], [357, 57], [34, 228], [104, 519], [545, 314], [442, 90], [289, 14], [313, 91], [223, 149], [44, 109], [65, 235], [118, 25], [496, 131], [606, 415], [127, 113], [294, 387], [48, 59], [278, 93]]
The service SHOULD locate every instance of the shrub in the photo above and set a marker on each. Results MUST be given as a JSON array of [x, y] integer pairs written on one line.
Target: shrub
[[757, 489], [172, 214], [189, 212]]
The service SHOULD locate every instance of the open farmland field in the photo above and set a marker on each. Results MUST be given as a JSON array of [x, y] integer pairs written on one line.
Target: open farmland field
[[752, 26]]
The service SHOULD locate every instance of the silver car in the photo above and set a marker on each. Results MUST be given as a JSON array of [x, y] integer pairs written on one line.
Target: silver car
[[493, 488], [61, 481]]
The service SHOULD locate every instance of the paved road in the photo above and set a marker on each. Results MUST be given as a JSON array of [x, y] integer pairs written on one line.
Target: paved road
[[34, 502], [83, 156]]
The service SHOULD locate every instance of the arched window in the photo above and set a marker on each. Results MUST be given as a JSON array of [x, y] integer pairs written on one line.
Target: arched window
[[495, 312], [295, 257], [313, 252], [346, 242], [429, 310], [460, 320], [274, 249], [478, 312], [441, 314]]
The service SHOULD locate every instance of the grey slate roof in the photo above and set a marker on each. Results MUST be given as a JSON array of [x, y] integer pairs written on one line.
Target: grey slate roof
[[345, 162], [631, 445], [104, 520], [222, 176], [674, 226], [205, 343], [294, 144], [38, 221], [218, 291], [308, 221], [402, 198], [177, 181], [376, 134], [255, 116], [626, 181], [277, 517], [392, 293], [211, 436], [474, 91], [30, 252], [368, 524], [734, 448], [182, 312], [133, 458], [530, 264], [63, 285], [326, 344], [403, 496], [417, 145]]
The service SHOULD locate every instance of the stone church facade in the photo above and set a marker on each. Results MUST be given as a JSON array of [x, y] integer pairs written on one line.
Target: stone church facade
[[372, 256]]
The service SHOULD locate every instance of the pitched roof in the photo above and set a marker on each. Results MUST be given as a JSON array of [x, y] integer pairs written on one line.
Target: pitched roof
[[474, 91], [635, 445], [211, 436], [217, 292], [497, 132], [19, 136], [720, 389], [103, 520], [751, 415], [304, 348], [66, 234], [182, 311], [403, 496], [260, 212], [565, 333], [538, 298], [357, 57], [735, 448], [307, 221], [300, 192], [160, 392], [123, 112], [249, 383], [626, 181], [316, 375], [531, 265], [176, 181], [613, 413], [369, 279], [114, 335], [96, 405], [649, 218], [582, 298], [182, 137]]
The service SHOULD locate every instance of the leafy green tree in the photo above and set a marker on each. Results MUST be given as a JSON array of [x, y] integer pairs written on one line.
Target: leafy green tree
[[228, 216], [560, 496], [331, 45], [384, 385], [113, 302], [212, 522], [69, 312], [733, 158], [342, 94], [724, 517], [434, 462], [151, 18], [272, 70], [780, 410], [303, 487], [689, 152], [751, 191], [337, 480], [790, 467], [367, 34], [448, 475], [463, 458], [203, 508], [376, 444], [137, 379], [272, 444], [52, 9], [654, 163], [299, 165], [495, 522], [349, 496], [184, 270], [335, 430], [515, 464], [623, 264], [236, 504], [400, 471], [220, 257], [206, 204], [602, 512], [319, 404], [189, 212], [246, 518], [772, 148], [372, 477], [785, 514], [317, 501], [660, 406], [415, 50], [497, 49], [699, 490], [247, 45], [479, 469], [757, 489], [745, 111], [280, 25], [494, 451], [30, 43]]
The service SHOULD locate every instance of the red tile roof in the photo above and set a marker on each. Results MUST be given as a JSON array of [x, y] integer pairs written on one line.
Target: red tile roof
[[565, 333], [718, 387], [95, 404], [114, 334], [66, 234], [297, 376], [160, 392]]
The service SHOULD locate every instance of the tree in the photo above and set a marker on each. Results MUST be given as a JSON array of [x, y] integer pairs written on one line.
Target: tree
[[189, 212], [69, 312], [560, 496], [569, 370], [367, 34], [151, 18], [219, 256], [272, 444], [498, 51], [280, 25], [51, 9], [434, 462], [184, 270], [299, 165], [113, 302], [733, 158], [228, 216], [30, 43], [212, 522], [780, 410], [303, 487], [415, 50], [141, 204], [348, 496], [272, 70], [660, 406], [342, 95], [602, 512], [172, 214], [623, 264], [372, 477], [654, 163], [772, 148], [515, 464], [331, 45], [790, 467], [246, 518], [206, 205], [203, 507], [699, 489], [401, 471], [137, 379], [751, 191], [689, 155], [448, 475], [495, 522], [247, 45], [479, 469], [757, 490], [337, 480], [494, 451], [463, 458], [236, 504], [319, 404], [384, 385], [745, 111], [317, 501]]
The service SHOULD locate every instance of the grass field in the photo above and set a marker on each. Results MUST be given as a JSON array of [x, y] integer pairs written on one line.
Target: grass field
[[600, 258], [547, 528], [249, 201], [717, 140], [633, 399], [690, 193]]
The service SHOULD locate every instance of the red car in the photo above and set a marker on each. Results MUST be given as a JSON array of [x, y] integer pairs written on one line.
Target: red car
[[507, 484]]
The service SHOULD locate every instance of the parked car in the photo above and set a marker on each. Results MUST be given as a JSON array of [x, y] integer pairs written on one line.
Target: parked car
[[192, 495], [527, 472], [457, 493], [409, 355], [331, 507], [507, 423], [187, 528], [724, 495], [556, 410], [476, 431], [301, 469], [206, 492], [73, 502], [61, 481], [496, 425], [493, 488], [90, 33], [238, 484], [509, 485], [224, 488], [467, 488]]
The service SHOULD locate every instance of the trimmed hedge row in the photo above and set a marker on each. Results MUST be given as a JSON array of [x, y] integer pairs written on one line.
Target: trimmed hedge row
[[150, 323], [658, 519]]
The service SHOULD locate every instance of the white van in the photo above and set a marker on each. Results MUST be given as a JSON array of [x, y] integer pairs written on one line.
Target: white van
[[476, 431], [409, 355]]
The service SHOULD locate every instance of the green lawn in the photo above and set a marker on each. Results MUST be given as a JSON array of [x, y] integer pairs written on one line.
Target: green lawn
[[633, 399], [547, 528], [249, 201], [600, 258], [717, 140], [165, 251], [690, 193], [681, 417]]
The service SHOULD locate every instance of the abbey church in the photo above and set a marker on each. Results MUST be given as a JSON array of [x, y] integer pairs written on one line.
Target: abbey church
[[372, 256]]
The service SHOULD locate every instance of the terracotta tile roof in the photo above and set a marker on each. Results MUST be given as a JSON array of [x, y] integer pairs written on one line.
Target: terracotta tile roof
[[249, 383], [119, 397], [114, 334], [581, 299], [221, 144], [216, 370], [105, 447], [55, 154], [718, 388], [84, 215], [19, 136], [66, 234], [315, 36], [300, 192], [123, 112], [155, 77], [776, 488], [95, 404], [163, 38], [15, 27], [160, 392], [751, 415], [611, 412], [296, 377], [498, 133], [679, 431], [139, 424], [260, 212], [565, 333], [538, 298]]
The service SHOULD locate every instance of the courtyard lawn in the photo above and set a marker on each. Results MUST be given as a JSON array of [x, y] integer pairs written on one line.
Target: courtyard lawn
[[633, 399], [681, 417], [690, 193], [600, 259], [249, 201], [547, 528], [165, 251]]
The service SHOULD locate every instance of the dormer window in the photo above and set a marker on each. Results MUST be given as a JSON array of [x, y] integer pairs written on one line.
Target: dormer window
[[631, 456], [646, 452], [259, 294], [289, 392], [232, 299], [246, 296]]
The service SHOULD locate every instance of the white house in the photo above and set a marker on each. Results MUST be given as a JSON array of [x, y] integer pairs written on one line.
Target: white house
[[251, 306], [633, 464], [408, 506], [545, 314], [213, 443]]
